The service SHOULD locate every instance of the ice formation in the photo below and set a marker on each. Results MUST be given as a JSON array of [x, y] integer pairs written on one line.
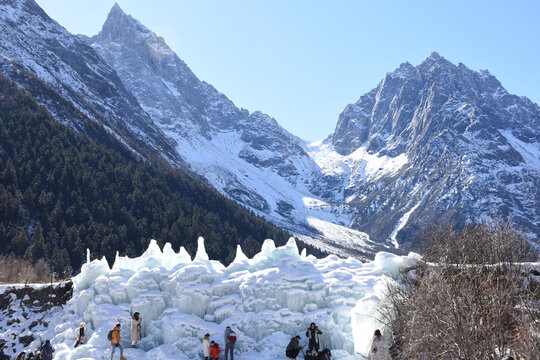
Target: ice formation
[[266, 300]]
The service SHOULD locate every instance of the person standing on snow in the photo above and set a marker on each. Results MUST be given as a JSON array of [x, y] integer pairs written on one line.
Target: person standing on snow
[[230, 342], [135, 329], [47, 351], [81, 335], [115, 341], [206, 346], [293, 349], [312, 334], [377, 351]]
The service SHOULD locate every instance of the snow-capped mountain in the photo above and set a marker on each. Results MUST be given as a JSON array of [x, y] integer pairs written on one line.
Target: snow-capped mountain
[[247, 156], [430, 142], [66, 75], [464, 148]]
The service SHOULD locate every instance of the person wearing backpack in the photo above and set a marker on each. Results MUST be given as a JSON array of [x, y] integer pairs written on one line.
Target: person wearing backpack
[[214, 350], [47, 351], [230, 342], [114, 337], [81, 335], [293, 349], [312, 334], [135, 329], [206, 346]]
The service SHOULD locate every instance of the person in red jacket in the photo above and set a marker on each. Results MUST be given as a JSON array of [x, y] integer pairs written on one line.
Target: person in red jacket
[[214, 350]]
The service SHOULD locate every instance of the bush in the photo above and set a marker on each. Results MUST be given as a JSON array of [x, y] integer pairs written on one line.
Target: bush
[[18, 270], [474, 296]]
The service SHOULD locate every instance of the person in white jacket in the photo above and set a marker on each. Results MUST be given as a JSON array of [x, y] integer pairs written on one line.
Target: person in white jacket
[[206, 346], [81, 335], [378, 350], [135, 329]]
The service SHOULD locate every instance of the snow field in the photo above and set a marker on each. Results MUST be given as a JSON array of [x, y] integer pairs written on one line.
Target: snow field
[[266, 300]]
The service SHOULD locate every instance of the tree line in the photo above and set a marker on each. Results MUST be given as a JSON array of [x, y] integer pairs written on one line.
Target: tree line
[[61, 193]]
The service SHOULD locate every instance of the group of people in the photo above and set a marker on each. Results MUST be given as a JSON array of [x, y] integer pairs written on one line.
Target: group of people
[[114, 335], [313, 353], [45, 352], [211, 349], [378, 350]]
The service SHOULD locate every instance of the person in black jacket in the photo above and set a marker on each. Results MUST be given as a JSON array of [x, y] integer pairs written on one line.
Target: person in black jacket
[[47, 351], [395, 348], [293, 348], [325, 355], [312, 334]]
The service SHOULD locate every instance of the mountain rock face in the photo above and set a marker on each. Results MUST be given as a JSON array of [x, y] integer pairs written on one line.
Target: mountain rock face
[[247, 156], [63, 73], [470, 149], [430, 142], [435, 141]]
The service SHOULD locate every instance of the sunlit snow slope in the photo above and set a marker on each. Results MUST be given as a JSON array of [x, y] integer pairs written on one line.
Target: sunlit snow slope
[[266, 300]]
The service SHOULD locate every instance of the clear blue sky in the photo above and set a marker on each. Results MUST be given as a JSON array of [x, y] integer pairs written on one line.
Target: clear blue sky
[[303, 61]]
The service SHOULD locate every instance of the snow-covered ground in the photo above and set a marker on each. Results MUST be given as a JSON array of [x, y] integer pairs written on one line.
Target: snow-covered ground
[[266, 300]]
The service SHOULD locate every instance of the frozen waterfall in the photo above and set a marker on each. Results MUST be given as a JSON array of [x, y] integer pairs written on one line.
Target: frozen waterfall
[[266, 300]]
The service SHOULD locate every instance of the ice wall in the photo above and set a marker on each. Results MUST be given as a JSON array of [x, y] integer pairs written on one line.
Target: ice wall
[[266, 300]]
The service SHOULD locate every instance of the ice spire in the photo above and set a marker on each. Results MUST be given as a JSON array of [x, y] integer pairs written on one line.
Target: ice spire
[[201, 250], [240, 256]]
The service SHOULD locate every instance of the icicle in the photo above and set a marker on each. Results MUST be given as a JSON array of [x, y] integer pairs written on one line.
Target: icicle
[[201, 251]]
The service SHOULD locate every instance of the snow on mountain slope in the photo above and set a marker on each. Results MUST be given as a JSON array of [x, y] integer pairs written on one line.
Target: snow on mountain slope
[[248, 157], [435, 141], [63, 73], [430, 142], [266, 300], [472, 151]]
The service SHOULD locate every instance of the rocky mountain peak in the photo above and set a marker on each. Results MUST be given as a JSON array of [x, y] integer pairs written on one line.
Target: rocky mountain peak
[[120, 27], [435, 64]]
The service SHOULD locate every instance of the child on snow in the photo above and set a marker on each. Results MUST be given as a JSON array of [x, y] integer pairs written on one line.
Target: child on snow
[[214, 350]]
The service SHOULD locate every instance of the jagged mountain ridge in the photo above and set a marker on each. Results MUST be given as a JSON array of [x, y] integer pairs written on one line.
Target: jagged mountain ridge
[[393, 158], [63, 73], [247, 156], [393, 163], [472, 149]]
